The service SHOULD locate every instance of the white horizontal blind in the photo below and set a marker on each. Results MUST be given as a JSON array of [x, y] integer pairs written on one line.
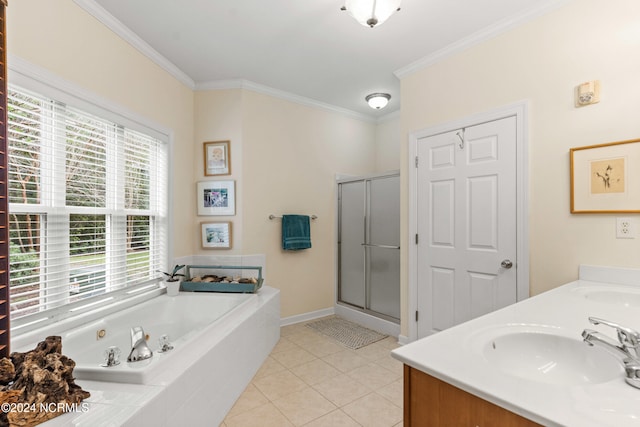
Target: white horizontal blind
[[87, 205]]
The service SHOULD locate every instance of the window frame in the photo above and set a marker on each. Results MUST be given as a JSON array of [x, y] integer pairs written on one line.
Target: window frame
[[24, 75]]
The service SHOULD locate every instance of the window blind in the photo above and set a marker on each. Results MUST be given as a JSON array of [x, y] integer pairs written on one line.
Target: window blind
[[87, 205]]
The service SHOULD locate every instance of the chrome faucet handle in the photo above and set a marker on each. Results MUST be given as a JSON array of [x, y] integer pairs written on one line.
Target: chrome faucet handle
[[111, 357], [633, 374], [629, 338]]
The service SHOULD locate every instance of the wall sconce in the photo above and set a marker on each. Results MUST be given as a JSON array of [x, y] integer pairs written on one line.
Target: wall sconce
[[377, 100], [588, 93]]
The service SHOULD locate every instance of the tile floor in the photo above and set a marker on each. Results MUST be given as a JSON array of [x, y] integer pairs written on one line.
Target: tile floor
[[313, 381]]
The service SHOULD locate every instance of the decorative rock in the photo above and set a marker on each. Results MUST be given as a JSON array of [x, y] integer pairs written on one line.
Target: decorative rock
[[43, 376], [7, 371]]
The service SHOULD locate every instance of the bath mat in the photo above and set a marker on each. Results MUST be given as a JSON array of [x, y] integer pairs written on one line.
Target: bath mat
[[347, 333]]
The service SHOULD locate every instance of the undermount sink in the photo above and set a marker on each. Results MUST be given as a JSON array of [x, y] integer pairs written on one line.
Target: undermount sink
[[552, 359]]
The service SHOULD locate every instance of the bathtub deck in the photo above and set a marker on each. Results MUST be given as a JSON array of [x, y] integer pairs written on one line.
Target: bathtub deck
[[201, 391]]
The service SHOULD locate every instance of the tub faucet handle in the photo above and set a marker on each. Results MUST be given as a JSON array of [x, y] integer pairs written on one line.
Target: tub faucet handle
[[165, 344], [111, 357], [139, 348]]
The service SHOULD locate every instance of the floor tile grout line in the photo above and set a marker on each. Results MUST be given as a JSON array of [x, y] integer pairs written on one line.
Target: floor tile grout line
[[368, 361]]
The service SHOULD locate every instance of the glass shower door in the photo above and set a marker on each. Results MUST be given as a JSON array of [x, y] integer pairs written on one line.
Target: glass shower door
[[369, 245], [351, 277], [383, 246]]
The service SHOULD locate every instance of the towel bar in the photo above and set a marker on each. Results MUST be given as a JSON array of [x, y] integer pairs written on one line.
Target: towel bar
[[272, 216]]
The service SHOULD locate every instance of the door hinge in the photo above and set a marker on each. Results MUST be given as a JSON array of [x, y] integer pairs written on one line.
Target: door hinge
[[416, 315], [416, 238], [416, 161]]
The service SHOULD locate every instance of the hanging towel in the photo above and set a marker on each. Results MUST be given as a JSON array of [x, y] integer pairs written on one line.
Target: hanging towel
[[296, 232]]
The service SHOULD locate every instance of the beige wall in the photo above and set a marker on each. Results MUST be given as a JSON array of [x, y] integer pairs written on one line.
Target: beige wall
[[68, 42], [285, 157], [388, 144], [542, 62], [218, 117]]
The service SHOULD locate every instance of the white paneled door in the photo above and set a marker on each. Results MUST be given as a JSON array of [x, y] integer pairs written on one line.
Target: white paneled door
[[466, 224]]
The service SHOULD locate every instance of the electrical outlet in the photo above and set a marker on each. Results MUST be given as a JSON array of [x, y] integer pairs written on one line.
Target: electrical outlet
[[625, 228]]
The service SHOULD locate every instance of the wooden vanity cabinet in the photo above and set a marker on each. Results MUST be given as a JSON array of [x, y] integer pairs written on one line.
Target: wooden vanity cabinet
[[430, 402]]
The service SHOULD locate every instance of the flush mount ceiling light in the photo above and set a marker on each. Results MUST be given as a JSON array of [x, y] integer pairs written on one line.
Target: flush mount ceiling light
[[377, 100], [371, 13]]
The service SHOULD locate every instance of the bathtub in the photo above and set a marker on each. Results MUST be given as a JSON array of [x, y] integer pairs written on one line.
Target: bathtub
[[219, 340], [185, 320]]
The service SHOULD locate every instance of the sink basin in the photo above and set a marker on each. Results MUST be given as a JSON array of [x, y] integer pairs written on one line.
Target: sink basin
[[620, 296], [552, 359]]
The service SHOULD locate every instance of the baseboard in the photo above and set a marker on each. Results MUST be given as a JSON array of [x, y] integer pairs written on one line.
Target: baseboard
[[403, 340], [371, 322], [298, 318]]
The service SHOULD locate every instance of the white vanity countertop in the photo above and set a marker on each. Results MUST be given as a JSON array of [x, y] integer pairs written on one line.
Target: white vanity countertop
[[457, 355]]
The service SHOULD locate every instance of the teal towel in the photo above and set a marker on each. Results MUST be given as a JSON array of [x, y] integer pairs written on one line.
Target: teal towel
[[296, 232]]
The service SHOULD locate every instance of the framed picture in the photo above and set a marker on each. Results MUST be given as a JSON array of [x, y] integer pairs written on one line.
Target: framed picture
[[216, 198], [216, 235], [605, 178], [217, 158]]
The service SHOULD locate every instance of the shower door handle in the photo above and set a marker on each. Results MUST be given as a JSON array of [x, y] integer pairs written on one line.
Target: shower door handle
[[368, 245]]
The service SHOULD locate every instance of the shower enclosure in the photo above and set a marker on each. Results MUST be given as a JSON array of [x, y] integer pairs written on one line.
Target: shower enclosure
[[369, 246]]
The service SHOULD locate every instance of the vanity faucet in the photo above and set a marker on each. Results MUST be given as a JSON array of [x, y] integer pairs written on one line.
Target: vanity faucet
[[628, 338], [139, 348], [627, 348]]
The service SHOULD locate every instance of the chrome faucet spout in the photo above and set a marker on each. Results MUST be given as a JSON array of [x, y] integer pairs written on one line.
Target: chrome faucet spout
[[139, 348], [626, 348], [628, 338], [592, 338]]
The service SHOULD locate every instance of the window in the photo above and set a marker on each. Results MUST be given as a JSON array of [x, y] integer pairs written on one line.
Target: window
[[87, 203]]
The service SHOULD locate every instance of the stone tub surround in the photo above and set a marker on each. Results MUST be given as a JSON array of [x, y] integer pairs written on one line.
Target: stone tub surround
[[455, 355], [201, 391]]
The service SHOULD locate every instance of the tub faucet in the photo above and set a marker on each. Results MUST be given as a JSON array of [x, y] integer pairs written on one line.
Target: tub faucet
[[627, 348], [139, 348]]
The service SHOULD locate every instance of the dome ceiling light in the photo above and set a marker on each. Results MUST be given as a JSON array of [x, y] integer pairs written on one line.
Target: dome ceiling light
[[378, 100], [371, 13]]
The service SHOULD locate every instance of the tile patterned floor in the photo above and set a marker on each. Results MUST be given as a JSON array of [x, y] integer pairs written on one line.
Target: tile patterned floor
[[313, 381]]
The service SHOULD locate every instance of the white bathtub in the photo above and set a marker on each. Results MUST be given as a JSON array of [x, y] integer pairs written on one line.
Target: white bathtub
[[220, 341], [185, 319]]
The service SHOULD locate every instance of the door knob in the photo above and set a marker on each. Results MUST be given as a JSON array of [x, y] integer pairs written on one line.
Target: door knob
[[506, 263]]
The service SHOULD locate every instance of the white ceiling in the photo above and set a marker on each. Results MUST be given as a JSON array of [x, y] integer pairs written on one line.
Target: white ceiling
[[307, 48]]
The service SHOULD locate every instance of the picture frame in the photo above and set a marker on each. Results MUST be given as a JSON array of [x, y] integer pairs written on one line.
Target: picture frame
[[216, 198], [216, 235], [605, 178], [217, 158]]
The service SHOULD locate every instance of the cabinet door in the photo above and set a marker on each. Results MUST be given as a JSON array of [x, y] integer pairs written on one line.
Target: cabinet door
[[429, 401]]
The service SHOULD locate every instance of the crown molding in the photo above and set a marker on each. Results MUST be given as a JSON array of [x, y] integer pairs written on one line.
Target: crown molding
[[277, 93], [134, 40], [478, 37], [98, 12]]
